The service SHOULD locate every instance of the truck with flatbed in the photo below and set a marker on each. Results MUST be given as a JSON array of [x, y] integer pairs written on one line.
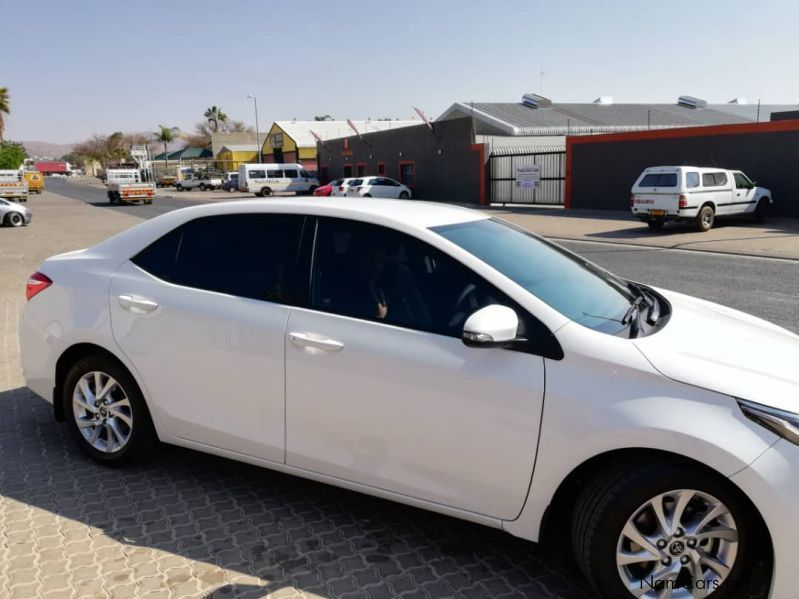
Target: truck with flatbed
[[202, 180], [13, 185], [126, 185]]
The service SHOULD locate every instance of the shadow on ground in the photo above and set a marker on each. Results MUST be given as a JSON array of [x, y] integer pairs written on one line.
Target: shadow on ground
[[283, 529]]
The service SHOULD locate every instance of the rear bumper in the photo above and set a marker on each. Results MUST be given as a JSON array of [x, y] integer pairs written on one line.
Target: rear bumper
[[681, 214]]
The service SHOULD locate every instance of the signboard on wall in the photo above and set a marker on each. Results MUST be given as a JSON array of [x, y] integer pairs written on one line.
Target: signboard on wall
[[528, 176]]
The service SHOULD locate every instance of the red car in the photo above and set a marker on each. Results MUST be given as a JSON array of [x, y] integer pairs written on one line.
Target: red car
[[326, 190]]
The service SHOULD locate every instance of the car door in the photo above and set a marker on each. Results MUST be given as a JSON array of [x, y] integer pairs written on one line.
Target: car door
[[383, 188], [744, 200], [380, 389], [201, 314]]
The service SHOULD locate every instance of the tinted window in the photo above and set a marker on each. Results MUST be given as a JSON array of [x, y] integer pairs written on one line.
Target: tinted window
[[691, 180], [306, 174], [659, 180], [275, 174], [254, 256], [381, 168], [374, 273], [355, 182], [291, 173], [257, 175]]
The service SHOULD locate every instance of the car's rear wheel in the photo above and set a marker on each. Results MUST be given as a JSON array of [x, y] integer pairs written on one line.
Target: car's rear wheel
[[203, 187], [266, 192], [106, 411], [706, 218], [666, 530], [404, 195], [14, 219], [655, 225]]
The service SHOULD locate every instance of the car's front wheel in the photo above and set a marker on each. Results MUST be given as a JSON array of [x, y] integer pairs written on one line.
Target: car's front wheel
[[667, 530], [106, 411], [14, 219]]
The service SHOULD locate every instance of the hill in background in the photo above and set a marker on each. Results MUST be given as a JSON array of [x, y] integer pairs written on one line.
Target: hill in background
[[46, 150]]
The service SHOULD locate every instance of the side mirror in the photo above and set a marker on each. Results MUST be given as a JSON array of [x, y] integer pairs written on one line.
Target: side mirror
[[492, 326]]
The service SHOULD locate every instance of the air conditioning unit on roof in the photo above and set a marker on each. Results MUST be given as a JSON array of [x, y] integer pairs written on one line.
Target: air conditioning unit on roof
[[536, 101], [691, 102]]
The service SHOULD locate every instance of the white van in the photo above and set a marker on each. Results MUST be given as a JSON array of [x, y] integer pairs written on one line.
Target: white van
[[267, 179], [697, 194]]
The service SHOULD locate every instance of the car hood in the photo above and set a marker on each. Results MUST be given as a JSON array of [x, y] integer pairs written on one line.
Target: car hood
[[726, 351]]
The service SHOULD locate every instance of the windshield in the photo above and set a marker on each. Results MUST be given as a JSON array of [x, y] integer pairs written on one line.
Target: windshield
[[578, 289]]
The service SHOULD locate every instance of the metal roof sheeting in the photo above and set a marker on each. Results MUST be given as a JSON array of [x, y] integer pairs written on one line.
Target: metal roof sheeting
[[300, 131]]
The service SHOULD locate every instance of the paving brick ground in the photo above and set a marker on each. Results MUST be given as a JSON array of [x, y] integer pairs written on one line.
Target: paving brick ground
[[191, 525]]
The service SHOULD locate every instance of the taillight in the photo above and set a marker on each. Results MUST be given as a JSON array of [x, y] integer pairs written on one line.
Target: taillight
[[683, 201], [36, 284], [341, 188], [632, 199]]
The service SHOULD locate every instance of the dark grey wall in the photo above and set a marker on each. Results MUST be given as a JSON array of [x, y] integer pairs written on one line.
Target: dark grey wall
[[447, 168], [602, 173], [786, 115]]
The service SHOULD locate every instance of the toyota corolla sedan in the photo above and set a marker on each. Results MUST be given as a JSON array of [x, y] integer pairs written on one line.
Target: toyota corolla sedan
[[441, 358]]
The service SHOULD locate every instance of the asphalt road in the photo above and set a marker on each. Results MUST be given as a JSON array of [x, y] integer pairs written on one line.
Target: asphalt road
[[765, 287]]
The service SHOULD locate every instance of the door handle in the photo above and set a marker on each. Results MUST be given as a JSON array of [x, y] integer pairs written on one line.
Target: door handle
[[305, 340], [136, 304]]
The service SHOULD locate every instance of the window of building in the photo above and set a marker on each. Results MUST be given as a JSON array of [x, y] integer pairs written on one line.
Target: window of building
[[407, 171], [381, 168], [254, 256], [347, 171], [691, 180], [360, 169], [277, 140]]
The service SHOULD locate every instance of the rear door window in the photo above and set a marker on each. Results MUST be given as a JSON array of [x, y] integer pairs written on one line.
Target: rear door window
[[275, 174], [659, 180], [255, 256]]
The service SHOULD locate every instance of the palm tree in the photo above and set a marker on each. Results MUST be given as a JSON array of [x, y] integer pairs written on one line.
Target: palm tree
[[165, 135], [5, 109], [215, 116]]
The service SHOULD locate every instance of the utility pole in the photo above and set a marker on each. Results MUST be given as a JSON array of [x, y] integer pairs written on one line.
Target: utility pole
[[257, 130]]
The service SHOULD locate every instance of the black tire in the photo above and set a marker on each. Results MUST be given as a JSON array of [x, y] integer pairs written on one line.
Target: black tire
[[655, 225], [706, 218], [614, 495], [368, 195], [404, 195], [143, 439], [265, 192], [14, 219], [179, 187], [203, 187], [761, 211], [311, 190], [148, 201]]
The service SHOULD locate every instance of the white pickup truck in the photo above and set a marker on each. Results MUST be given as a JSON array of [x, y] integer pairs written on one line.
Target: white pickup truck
[[13, 185], [696, 194], [201, 181], [125, 185]]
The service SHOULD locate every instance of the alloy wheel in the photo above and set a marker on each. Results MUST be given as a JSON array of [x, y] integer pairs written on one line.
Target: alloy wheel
[[680, 544], [102, 411]]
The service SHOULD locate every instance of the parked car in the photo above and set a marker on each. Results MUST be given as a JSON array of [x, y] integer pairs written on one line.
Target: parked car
[[342, 188], [697, 194], [126, 185], [267, 179], [378, 187], [231, 182], [326, 190], [165, 180], [35, 181], [13, 214], [200, 180], [435, 356]]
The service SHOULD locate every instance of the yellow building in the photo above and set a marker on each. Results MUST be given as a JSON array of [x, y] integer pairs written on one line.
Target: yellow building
[[295, 141], [231, 156]]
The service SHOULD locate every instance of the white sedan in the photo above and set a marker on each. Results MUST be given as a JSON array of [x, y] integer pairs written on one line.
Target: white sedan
[[444, 359], [378, 187]]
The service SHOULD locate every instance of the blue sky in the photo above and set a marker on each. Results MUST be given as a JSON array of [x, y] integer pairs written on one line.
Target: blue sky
[[96, 66]]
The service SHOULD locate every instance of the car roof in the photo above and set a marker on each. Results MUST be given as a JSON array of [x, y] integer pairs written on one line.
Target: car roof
[[404, 215]]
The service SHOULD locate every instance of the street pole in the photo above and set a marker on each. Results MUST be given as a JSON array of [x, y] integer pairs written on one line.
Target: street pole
[[257, 130]]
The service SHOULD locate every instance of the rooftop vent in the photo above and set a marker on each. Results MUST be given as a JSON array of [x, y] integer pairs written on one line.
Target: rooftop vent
[[536, 101], [691, 102], [604, 100], [738, 101]]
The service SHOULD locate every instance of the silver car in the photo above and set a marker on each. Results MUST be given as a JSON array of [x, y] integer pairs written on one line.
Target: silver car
[[13, 214]]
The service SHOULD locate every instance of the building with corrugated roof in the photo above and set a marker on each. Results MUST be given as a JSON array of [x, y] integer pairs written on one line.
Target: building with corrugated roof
[[231, 156]]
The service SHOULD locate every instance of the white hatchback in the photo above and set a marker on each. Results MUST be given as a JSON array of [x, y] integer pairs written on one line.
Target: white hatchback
[[435, 356], [378, 187]]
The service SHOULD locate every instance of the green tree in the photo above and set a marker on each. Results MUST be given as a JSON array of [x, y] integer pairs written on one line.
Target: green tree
[[323, 117], [5, 110], [215, 117], [166, 135], [12, 155]]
